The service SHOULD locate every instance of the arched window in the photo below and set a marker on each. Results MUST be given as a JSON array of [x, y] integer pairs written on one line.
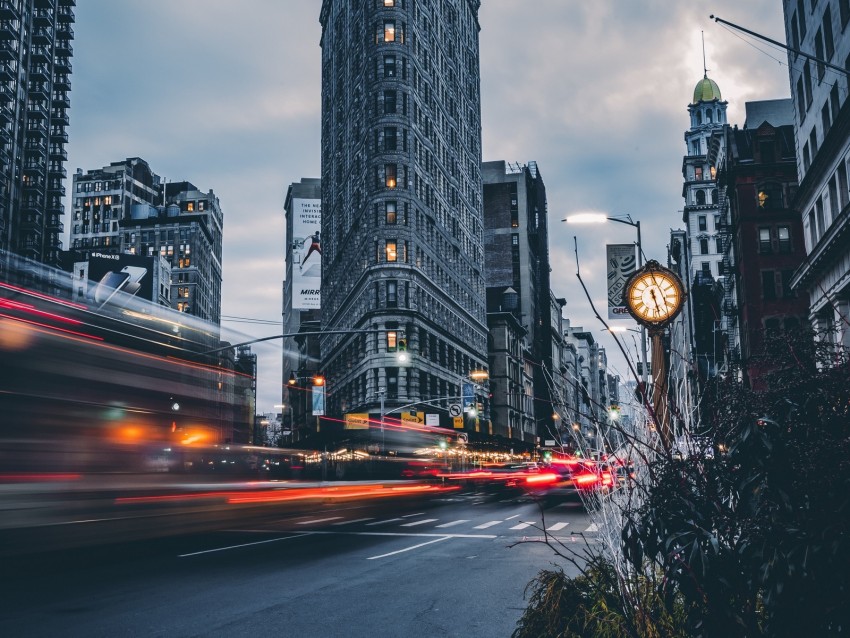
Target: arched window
[[719, 116], [708, 115], [713, 195], [699, 118], [700, 198]]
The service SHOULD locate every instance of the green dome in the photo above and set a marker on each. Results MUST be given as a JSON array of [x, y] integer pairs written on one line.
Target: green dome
[[706, 90]]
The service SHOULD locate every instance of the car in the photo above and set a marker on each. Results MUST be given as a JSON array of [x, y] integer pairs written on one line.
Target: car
[[576, 480]]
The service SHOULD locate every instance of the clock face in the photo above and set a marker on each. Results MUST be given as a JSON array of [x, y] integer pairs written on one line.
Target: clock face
[[654, 296]]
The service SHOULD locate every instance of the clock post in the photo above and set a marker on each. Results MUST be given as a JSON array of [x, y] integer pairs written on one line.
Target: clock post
[[654, 296]]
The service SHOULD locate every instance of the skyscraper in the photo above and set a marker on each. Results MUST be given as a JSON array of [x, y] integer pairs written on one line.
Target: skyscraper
[[35, 66], [516, 240], [401, 203]]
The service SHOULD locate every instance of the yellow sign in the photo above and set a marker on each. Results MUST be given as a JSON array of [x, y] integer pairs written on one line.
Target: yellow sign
[[458, 422], [354, 421], [408, 418]]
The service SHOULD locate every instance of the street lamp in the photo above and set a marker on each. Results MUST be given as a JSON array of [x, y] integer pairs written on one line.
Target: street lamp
[[601, 218]]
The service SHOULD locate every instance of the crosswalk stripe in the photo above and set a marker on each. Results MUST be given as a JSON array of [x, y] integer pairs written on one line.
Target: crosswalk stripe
[[463, 520], [412, 515], [593, 528], [389, 520], [422, 522], [556, 527], [486, 525], [521, 526], [356, 520], [319, 520]]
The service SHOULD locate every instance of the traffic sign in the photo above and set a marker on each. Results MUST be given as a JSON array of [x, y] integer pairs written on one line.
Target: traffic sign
[[454, 409], [458, 422], [463, 437]]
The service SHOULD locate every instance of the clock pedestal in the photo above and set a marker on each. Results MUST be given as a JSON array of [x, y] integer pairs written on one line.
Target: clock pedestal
[[660, 400]]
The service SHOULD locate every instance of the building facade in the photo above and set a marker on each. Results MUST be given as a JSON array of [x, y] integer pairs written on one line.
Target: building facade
[[402, 220], [822, 128], [301, 302], [757, 179], [35, 69], [104, 197], [125, 208], [516, 256]]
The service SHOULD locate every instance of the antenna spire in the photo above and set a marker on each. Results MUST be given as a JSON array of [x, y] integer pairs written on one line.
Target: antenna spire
[[704, 69]]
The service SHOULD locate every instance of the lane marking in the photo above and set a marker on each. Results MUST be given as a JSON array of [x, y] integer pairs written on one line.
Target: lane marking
[[412, 515], [412, 534], [422, 522], [407, 549], [556, 527], [592, 528], [319, 520], [389, 520], [223, 549], [463, 520], [521, 526], [356, 520], [486, 525]]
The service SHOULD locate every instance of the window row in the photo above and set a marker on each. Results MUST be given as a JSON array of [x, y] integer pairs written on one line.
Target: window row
[[776, 239]]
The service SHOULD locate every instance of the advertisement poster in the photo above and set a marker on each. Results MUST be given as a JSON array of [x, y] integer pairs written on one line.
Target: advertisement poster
[[621, 264], [306, 253], [110, 275], [318, 400]]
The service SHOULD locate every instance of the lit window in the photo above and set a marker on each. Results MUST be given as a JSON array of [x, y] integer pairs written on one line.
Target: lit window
[[389, 3], [784, 234], [762, 199], [392, 340], [390, 175], [190, 206], [201, 205], [392, 251], [389, 31], [764, 240], [713, 171], [698, 173], [391, 212]]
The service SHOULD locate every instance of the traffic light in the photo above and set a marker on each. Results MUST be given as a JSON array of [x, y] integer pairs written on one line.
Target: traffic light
[[547, 455], [319, 379], [402, 345], [292, 380]]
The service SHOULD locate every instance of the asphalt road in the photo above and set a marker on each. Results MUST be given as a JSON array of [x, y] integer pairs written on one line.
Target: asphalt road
[[456, 566]]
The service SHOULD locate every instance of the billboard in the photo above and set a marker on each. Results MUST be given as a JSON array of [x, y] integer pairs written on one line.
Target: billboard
[[306, 249], [621, 264], [109, 275], [318, 396]]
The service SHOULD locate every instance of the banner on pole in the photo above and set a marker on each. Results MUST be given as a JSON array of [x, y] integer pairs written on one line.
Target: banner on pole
[[621, 264]]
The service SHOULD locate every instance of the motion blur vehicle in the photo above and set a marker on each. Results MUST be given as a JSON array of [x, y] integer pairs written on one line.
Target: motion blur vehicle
[[576, 480], [503, 480]]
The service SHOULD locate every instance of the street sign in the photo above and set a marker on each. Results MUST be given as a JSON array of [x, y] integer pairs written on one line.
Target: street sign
[[455, 410], [458, 421], [432, 419], [463, 437], [413, 417], [356, 421]]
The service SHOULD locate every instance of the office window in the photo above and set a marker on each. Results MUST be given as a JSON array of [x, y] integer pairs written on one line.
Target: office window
[[768, 285], [391, 215], [392, 250], [700, 198], [392, 294], [784, 235], [717, 222], [844, 11], [819, 54], [389, 3], [389, 102], [807, 83], [828, 40], [718, 242], [764, 240], [698, 177], [705, 268], [389, 30], [787, 293], [703, 246], [392, 340], [702, 222], [390, 179], [190, 206], [390, 139], [389, 66]]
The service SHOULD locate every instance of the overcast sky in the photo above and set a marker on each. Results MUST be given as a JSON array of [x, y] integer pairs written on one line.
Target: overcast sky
[[226, 95]]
